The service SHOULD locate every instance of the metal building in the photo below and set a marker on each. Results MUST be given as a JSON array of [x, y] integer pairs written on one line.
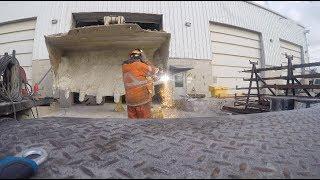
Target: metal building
[[217, 39]]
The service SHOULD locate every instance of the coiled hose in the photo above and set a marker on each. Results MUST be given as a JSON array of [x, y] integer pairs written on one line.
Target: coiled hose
[[11, 83]]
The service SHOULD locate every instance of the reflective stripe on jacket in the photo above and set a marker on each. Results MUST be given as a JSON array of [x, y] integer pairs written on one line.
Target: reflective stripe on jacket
[[138, 87]]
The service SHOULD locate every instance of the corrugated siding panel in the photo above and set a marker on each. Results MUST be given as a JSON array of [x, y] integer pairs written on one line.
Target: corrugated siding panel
[[187, 42], [221, 37], [21, 47], [20, 26], [17, 36], [227, 59], [290, 49], [228, 72], [236, 50], [233, 48], [247, 16]]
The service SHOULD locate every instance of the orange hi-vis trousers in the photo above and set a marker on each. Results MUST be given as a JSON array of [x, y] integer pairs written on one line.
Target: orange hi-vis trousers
[[140, 112]]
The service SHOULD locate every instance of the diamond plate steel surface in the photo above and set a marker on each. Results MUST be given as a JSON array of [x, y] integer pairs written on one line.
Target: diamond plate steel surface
[[270, 145]]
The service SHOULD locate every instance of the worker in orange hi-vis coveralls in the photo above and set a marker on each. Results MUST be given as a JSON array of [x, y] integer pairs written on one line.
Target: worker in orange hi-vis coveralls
[[138, 86]]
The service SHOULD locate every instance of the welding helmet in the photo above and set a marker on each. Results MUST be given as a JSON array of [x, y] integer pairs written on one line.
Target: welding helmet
[[137, 54]]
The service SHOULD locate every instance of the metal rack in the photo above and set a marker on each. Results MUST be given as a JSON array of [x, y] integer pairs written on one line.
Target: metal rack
[[258, 102]]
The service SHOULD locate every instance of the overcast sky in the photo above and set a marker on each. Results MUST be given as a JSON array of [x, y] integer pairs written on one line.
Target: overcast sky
[[306, 13]]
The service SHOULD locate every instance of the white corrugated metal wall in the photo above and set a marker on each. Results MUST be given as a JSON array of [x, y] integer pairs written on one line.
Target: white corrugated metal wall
[[19, 36], [233, 49], [186, 42]]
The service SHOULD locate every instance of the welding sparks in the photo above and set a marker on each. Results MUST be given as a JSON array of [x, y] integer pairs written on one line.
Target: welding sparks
[[164, 78], [166, 91]]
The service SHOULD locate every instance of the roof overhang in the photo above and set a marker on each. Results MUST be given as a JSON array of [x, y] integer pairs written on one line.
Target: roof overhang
[[174, 69]]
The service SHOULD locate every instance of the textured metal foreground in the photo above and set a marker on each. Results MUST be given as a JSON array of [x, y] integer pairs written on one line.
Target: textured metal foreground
[[266, 145]]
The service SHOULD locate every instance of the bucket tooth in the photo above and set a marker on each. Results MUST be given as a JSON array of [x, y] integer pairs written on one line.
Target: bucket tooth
[[99, 99], [82, 95], [67, 94]]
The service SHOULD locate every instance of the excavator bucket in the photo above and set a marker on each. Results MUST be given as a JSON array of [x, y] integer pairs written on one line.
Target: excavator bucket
[[88, 60]]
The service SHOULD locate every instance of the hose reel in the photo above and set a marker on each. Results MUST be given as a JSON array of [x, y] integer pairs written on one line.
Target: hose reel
[[10, 79]]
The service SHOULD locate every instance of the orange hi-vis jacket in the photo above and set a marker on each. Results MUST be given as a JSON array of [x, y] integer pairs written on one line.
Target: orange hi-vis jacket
[[137, 86]]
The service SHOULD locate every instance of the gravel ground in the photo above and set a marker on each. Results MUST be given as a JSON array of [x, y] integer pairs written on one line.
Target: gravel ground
[[282, 144]]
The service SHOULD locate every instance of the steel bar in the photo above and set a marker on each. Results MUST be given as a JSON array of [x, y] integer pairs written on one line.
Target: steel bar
[[289, 68], [305, 90], [265, 84], [250, 84], [244, 100], [247, 88], [254, 94], [283, 87], [298, 98], [290, 86], [317, 75], [242, 111], [257, 83], [285, 67]]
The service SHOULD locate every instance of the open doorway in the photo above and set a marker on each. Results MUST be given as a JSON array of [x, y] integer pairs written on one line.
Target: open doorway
[[180, 85], [145, 21]]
